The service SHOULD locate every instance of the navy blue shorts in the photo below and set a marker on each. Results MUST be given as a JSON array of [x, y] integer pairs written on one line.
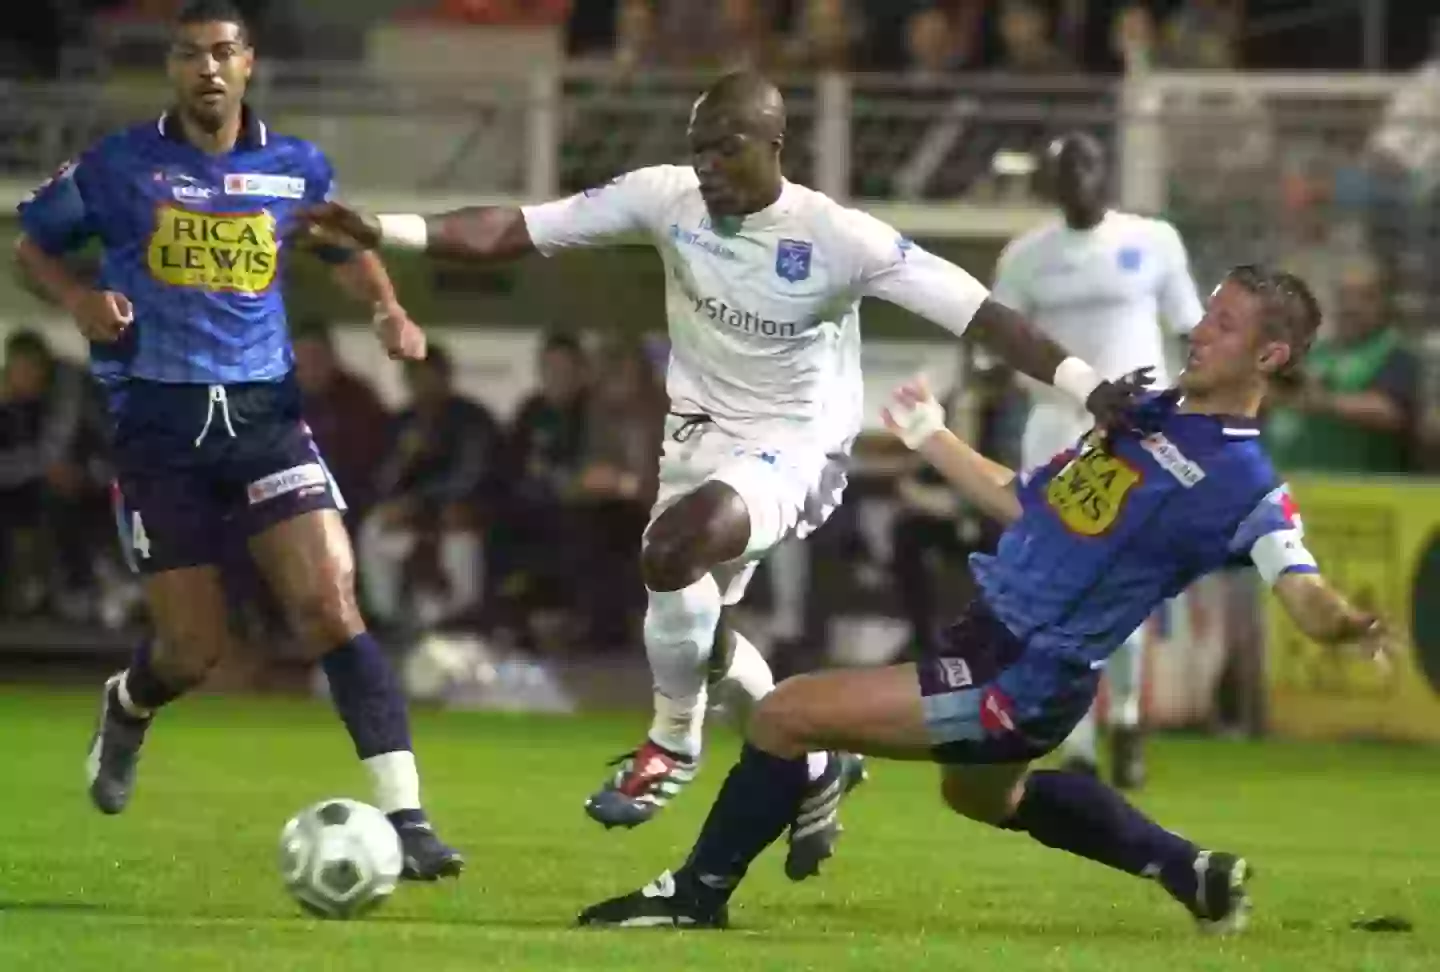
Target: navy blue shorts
[[988, 700], [200, 466]]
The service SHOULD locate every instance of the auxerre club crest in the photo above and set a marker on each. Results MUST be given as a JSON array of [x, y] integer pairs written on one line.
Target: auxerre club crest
[[1090, 491], [792, 260], [234, 252]]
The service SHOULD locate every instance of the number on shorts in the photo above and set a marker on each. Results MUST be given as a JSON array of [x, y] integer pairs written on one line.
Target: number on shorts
[[139, 539]]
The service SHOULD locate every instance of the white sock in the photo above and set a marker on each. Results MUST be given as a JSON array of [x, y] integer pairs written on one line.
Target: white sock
[[397, 781], [1082, 742], [1124, 675], [745, 682], [460, 562], [789, 582], [679, 636], [383, 554], [816, 764], [679, 723]]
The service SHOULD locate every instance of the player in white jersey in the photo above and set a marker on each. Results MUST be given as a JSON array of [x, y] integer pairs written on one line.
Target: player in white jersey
[[1099, 282], [763, 284]]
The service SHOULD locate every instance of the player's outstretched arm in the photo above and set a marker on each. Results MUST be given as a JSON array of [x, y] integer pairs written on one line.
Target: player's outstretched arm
[[936, 289], [918, 420], [479, 234], [1273, 539], [1021, 345], [1325, 616]]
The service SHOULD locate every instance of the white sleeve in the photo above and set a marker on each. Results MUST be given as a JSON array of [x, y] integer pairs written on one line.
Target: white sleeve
[[1009, 286], [895, 270], [1180, 305], [626, 204], [1273, 538]]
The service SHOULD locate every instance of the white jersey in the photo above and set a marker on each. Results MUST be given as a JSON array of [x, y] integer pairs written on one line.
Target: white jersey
[[764, 322], [1102, 293]]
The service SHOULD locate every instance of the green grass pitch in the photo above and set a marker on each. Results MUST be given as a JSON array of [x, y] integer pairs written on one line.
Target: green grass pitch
[[186, 879]]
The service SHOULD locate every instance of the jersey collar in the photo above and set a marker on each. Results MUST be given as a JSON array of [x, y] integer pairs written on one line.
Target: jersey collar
[[1238, 426], [1229, 426], [763, 218], [253, 132], [1107, 216]]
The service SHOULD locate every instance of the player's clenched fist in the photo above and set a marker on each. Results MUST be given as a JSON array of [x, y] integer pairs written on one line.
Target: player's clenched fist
[[913, 414], [101, 315], [332, 224]]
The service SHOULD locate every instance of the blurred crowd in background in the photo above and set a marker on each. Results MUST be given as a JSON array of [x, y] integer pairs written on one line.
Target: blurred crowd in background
[[924, 37]]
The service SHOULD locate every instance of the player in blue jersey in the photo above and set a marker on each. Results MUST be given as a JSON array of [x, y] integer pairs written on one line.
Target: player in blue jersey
[[189, 341], [1095, 540]]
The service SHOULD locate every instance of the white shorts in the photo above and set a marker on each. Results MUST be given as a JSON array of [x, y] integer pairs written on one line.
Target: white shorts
[[789, 490], [1050, 429]]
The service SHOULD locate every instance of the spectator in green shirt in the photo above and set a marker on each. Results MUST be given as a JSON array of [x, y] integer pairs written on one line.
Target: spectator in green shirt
[[1353, 410]]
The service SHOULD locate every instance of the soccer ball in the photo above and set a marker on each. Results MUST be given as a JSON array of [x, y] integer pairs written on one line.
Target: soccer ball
[[340, 858]]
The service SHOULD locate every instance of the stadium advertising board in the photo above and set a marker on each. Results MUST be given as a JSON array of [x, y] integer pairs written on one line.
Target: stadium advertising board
[[1379, 542]]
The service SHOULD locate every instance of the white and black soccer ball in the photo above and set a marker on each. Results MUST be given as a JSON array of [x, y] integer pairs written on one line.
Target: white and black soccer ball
[[340, 858]]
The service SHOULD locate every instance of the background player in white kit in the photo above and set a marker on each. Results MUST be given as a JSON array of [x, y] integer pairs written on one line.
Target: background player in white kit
[[1099, 282], [763, 283]]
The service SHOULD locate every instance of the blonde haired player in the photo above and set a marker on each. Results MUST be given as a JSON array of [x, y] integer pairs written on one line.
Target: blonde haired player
[[763, 281], [1099, 282]]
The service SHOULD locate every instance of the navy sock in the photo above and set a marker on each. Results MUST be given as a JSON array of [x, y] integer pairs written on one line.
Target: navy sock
[[401, 819], [367, 696], [758, 801], [147, 689], [1078, 813]]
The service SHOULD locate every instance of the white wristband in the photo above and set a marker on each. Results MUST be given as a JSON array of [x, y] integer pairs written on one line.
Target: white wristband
[[1077, 379], [404, 231]]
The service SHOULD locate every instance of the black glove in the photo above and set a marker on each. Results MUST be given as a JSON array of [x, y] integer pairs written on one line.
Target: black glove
[[1112, 401]]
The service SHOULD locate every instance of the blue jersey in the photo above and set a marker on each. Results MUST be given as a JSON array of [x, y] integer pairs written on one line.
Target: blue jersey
[[1112, 529], [193, 240]]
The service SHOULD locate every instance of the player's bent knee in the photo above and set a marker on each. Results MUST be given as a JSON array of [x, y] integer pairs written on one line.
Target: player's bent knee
[[707, 527], [326, 615], [779, 723], [185, 662], [984, 801], [192, 630], [666, 563], [310, 567]]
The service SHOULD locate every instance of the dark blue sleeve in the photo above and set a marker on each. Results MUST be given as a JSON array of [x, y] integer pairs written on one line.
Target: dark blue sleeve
[[320, 187], [61, 215]]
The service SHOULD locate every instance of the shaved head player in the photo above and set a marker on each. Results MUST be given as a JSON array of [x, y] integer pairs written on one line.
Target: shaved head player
[[763, 282]]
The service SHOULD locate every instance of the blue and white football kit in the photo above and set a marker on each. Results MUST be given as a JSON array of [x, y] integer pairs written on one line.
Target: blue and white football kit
[[1109, 530], [207, 433]]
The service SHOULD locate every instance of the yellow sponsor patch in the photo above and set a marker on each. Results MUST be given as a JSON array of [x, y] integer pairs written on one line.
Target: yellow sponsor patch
[[1090, 491], [234, 252]]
